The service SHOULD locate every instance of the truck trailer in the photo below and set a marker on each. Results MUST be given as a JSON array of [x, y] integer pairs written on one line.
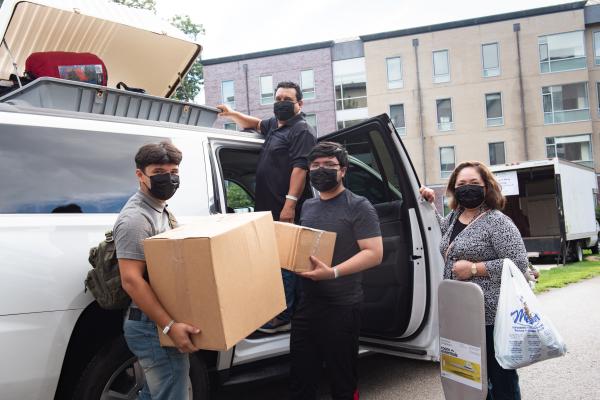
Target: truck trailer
[[552, 202]]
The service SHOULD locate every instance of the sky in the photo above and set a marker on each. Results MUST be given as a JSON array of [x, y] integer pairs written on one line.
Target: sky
[[238, 26]]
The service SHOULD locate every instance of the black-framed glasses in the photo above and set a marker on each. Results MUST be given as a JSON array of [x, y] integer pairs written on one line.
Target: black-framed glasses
[[326, 165]]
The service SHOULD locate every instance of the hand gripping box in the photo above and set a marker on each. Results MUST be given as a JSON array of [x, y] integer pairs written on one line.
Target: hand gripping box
[[220, 274], [297, 243]]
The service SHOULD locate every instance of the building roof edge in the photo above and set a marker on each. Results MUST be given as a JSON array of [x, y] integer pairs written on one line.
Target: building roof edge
[[475, 21], [269, 53]]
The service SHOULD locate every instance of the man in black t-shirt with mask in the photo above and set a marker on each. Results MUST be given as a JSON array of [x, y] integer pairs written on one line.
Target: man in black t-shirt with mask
[[281, 170], [326, 325]]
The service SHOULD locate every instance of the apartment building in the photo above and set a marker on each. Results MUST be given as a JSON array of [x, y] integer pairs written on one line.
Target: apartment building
[[501, 89]]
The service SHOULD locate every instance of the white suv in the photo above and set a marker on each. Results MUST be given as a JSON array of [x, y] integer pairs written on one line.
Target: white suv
[[54, 339]]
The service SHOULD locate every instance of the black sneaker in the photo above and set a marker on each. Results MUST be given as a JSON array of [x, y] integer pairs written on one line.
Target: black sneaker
[[275, 325]]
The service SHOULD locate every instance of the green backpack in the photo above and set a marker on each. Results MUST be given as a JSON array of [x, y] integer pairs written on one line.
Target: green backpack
[[104, 279]]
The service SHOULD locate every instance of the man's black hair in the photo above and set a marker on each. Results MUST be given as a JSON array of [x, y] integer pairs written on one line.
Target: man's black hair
[[157, 153], [329, 149], [291, 85]]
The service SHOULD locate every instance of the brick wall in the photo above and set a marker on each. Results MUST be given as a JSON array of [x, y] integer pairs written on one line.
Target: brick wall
[[284, 67]]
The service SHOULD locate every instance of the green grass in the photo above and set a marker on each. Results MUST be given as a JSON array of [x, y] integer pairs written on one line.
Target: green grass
[[561, 276]]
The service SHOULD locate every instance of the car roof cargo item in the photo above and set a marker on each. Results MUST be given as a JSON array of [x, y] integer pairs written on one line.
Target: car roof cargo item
[[220, 274], [80, 67], [60, 94], [138, 47]]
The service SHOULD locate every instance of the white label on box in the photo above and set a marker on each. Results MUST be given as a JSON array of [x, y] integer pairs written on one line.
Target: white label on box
[[460, 362], [509, 182]]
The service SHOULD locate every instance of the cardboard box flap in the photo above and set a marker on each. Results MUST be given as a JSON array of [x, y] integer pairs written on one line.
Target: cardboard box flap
[[213, 226]]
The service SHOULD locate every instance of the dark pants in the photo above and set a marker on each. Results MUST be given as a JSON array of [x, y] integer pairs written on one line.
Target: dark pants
[[324, 334], [290, 280], [504, 382]]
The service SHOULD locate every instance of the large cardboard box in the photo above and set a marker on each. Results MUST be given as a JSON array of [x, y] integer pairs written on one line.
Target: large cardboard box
[[297, 243], [220, 274]]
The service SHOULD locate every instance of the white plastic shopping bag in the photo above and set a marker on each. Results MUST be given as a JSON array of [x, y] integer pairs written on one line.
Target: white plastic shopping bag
[[522, 334]]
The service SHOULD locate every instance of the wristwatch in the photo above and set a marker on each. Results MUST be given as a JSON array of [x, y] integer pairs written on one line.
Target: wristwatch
[[473, 269]]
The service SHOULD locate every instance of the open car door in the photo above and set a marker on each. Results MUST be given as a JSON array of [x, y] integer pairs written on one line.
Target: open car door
[[399, 314]]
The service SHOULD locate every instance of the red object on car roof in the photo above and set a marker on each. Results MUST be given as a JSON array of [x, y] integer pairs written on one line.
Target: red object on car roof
[[82, 67]]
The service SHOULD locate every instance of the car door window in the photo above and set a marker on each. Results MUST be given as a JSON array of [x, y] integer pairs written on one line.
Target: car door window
[[368, 159], [238, 198], [66, 170]]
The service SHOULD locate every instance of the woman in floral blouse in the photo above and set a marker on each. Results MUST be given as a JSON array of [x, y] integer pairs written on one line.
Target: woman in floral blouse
[[476, 238]]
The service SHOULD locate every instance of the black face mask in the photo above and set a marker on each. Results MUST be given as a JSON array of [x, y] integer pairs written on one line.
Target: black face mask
[[283, 110], [469, 196], [163, 186], [324, 179]]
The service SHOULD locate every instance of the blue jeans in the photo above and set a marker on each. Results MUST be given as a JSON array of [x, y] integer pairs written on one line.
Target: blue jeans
[[290, 281], [165, 368]]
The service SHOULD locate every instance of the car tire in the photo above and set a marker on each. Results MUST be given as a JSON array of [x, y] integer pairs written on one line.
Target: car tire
[[578, 252], [574, 252], [596, 248], [114, 373]]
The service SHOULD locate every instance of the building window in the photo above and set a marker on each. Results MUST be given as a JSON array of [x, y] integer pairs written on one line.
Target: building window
[[311, 119], [572, 148], [350, 84], [562, 52], [266, 89], [348, 123], [394, 73], [565, 103], [446, 206], [493, 109], [230, 126], [441, 66], [228, 93], [307, 84], [490, 56], [397, 117], [497, 153], [444, 115], [598, 95], [597, 48], [447, 161]]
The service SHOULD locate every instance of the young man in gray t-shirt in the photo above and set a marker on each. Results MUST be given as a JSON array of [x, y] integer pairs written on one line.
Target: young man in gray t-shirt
[[326, 325], [144, 215]]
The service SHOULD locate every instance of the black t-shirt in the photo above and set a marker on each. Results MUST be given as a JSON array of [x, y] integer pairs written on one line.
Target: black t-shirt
[[458, 228], [285, 148], [353, 218]]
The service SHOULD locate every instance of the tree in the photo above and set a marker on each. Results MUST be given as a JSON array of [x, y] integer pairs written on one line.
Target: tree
[[189, 88], [143, 4]]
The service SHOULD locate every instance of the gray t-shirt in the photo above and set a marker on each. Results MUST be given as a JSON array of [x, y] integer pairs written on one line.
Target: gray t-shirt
[[141, 217], [353, 218]]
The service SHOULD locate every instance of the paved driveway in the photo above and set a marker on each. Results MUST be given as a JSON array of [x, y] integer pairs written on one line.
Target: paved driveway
[[575, 311]]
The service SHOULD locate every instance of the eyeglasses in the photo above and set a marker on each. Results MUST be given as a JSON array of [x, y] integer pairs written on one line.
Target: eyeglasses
[[327, 165]]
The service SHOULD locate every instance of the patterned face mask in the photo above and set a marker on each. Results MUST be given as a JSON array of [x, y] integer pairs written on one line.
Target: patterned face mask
[[469, 196]]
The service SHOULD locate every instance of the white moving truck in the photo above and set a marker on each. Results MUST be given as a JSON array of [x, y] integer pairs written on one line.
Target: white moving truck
[[552, 202]]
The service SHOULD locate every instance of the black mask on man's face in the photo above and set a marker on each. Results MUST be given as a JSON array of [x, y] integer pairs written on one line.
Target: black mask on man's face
[[324, 179], [283, 110], [163, 186], [470, 196]]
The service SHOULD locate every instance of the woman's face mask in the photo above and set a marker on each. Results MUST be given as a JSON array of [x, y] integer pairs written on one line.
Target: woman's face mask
[[469, 196]]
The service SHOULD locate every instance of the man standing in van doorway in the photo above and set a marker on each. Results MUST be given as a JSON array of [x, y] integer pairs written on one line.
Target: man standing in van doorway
[[144, 215], [326, 325], [281, 171]]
